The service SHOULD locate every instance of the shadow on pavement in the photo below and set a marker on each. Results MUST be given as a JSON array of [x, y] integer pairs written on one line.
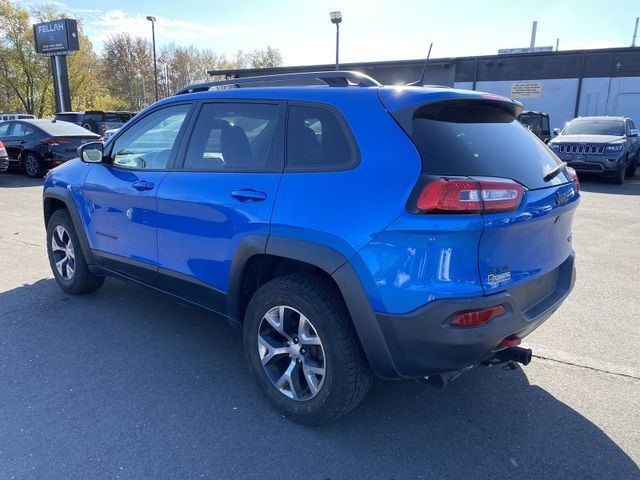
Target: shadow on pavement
[[127, 382], [596, 184], [12, 179]]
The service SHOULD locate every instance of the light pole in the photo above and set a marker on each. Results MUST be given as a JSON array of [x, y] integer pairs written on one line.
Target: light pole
[[155, 63], [336, 17]]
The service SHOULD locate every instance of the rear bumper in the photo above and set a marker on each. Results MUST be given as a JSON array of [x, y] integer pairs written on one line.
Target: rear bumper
[[422, 343]]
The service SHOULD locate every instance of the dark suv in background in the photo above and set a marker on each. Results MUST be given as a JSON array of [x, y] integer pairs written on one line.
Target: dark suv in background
[[609, 146], [97, 121]]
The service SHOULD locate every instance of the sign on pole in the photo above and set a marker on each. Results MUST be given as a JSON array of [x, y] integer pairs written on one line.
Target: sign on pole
[[59, 37]]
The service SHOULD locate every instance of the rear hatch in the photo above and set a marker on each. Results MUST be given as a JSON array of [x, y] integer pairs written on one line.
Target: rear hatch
[[477, 139]]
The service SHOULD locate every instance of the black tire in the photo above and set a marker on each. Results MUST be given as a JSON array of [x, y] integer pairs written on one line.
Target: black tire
[[618, 179], [81, 280], [31, 165], [631, 170], [347, 375]]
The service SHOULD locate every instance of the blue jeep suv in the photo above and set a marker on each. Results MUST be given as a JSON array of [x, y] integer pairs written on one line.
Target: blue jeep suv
[[349, 229]]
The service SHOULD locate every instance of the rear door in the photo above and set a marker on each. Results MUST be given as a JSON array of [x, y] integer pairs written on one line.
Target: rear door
[[19, 136], [483, 139], [120, 194], [223, 193]]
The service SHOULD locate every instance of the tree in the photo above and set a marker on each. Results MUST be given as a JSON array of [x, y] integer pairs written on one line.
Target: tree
[[127, 63], [24, 75], [265, 58]]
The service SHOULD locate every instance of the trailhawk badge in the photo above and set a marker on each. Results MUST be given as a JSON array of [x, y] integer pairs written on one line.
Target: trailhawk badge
[[498, 275]]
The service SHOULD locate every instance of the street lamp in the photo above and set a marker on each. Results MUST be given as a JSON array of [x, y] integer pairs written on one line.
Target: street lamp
[[155, 63], [336, 17]]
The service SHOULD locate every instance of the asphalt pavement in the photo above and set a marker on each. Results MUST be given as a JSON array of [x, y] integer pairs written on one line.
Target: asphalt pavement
[[127, 383]]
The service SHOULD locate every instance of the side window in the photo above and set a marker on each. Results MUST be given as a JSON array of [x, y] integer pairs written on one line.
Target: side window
[[21, 130], [4, 129], [148, 143], [545, 126], [233, 136], [317, 139]]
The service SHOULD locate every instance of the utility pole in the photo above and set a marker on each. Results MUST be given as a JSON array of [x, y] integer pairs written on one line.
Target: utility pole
[[336, 18], [155, 63], [533, 34]]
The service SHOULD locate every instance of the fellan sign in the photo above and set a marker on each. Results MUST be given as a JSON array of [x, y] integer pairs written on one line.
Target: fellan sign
[[58, 37]]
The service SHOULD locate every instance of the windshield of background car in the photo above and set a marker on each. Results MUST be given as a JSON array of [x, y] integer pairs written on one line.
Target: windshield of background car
[[470, 138], [595, 127]]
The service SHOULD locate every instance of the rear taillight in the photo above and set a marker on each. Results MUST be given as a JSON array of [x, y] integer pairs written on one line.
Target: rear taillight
[[475, 318], [53, 141], [3, 150], [574, 176], [454, 195]]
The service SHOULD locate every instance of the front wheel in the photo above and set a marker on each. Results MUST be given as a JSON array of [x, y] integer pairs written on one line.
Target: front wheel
[[301, 345], [631, 170], [66, 258], [618, 179]]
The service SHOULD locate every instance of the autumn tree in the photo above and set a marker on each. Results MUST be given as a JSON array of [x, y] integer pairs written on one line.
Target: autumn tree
[[25, 78]]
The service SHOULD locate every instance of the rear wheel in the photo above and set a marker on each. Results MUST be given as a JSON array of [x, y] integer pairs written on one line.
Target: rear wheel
[[31, 165], [301, 346], [66, 258]]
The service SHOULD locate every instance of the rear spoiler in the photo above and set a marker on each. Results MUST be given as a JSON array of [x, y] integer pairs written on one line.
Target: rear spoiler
[[405, 103]]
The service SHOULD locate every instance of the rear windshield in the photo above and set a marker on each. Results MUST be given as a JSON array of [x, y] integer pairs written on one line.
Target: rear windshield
[[482, 140], [68, 117], [61, 129], [595, 127]]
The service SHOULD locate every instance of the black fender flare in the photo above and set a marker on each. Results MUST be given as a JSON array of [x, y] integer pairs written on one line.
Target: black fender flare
[[63, 195], [340, 269]]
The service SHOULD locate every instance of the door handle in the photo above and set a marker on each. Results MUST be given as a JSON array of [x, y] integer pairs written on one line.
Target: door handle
[[142, 185], [248, 195]]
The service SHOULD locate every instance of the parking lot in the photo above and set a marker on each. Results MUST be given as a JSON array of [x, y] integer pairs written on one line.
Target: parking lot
[[126, 383]]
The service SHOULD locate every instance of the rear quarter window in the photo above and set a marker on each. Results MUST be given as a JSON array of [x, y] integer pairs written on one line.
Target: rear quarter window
[[470, 138], [318, 139]]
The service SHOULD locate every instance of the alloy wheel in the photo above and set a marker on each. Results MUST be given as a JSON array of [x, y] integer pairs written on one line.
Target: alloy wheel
[[31, 165], [291, 353], [63, 252]]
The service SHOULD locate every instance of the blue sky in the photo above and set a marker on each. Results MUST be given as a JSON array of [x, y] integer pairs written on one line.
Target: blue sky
[[371, 29]]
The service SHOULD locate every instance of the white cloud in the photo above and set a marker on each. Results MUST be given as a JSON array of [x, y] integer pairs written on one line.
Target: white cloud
[[99, 25]]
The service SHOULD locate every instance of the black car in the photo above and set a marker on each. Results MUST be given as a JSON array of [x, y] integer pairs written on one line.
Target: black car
[[38, 145], [97, 121], [4, 158], [537, 122]]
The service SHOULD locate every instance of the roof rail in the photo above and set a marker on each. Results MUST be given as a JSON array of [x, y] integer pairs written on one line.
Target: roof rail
[[336, 78]]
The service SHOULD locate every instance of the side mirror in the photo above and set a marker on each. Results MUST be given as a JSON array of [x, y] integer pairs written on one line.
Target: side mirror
[[634, 132], [556, 131], [91, 152]]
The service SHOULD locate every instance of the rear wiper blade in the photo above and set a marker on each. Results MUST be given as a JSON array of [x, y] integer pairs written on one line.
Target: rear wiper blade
[[555, 172]]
